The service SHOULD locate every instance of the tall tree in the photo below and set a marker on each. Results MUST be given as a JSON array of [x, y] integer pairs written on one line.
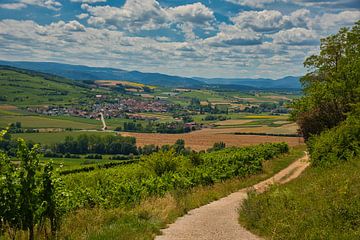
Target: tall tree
[[331, 87]]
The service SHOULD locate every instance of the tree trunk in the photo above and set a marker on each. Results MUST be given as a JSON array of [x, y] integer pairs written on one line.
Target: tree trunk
[[31, 233]]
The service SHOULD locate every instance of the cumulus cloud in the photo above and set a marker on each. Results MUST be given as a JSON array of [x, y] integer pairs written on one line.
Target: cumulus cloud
[[88, 1], [329, 3], [252, 3], [191, 36], [296, 36], [13, 6], [233, 36], [50, 4], [328, 21], [261, 21], [82, 16], [137, 15], [196, 13], [299, 18]]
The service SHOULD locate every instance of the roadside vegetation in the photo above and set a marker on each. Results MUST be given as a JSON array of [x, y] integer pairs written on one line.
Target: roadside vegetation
[[323, 203]]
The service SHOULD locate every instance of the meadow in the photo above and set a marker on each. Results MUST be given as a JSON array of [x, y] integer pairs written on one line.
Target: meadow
[[323, 203]]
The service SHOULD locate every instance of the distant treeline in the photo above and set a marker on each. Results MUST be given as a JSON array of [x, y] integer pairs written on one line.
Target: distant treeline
[[85, 144]]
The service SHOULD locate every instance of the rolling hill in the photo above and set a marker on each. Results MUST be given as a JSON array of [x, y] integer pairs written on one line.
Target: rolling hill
[[23, 88], [288, 82], [79, 72]]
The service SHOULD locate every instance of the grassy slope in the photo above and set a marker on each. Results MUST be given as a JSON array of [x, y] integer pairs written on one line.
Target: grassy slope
[[145, 220], [24, 89], [323, 203]]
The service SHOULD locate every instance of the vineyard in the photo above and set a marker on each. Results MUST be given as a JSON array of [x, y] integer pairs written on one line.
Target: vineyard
[[162, 172], [35, 198]]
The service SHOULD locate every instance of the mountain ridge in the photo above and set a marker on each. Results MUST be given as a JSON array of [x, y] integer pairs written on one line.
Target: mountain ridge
[[81, 72]]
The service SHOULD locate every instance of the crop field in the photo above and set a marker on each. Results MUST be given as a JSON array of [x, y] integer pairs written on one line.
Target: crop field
[[233, 122], [44, 122], [204, 139], [110, 83]]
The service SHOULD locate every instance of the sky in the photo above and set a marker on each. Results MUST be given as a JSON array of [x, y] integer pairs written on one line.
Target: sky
[[208, 38]]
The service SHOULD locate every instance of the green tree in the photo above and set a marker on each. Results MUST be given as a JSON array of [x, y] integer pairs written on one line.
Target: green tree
[[331, 87], [29, 193]]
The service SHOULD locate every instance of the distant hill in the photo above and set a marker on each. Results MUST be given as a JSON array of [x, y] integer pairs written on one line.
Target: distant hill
[[26, 87], [288, 82], [79, 72]]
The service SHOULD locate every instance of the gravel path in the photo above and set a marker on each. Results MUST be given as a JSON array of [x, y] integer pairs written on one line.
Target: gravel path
[[219, 220]]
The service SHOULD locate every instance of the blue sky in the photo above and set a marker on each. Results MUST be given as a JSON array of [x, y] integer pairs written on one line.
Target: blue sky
[[209, 38]]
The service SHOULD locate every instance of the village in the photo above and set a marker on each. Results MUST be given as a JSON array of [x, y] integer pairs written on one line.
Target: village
[[123, 108]]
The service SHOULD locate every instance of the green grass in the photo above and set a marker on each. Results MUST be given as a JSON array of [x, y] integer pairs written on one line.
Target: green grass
[[323, 203], [23, 89], [144, 221], [46, 122]]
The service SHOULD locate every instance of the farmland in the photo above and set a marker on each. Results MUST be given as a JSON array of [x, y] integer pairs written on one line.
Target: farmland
[[204, 139]]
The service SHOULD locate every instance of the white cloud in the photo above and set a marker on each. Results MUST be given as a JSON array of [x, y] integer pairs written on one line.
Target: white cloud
[[82, 16], [50, 4], [137, 15], [134, 15], [261, 21], [233, 36], [13, 6], [328, 21], [196, 13], [299, 18], [252, 3], [88, 1], [296, 36]]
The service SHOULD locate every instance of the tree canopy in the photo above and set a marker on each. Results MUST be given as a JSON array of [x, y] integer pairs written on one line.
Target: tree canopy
[[331, 86]]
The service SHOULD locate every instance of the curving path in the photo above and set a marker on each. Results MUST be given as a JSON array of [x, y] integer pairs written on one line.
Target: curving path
[[219, 220]]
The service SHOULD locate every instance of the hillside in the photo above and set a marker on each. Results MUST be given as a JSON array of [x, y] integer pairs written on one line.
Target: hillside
[[288, 82], [23, 87], [78, 72]]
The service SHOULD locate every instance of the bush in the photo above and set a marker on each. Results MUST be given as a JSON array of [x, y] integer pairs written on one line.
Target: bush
[[217, 146], [337, 144], [163, 162], [93, 156]]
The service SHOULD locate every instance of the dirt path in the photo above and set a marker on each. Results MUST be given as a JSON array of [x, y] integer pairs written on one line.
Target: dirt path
[[219, 220]]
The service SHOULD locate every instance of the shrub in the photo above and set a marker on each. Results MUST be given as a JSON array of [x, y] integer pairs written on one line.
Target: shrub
[[337, 144]]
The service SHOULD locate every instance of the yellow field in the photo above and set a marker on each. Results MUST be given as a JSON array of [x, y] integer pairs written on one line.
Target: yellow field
[[232, 122], [265, 117], [113, 83]]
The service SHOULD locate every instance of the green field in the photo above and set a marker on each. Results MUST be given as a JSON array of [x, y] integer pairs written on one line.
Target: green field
[[22, 88], [45, 122]]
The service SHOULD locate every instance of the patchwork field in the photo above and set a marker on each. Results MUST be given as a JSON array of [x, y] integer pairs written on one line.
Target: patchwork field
[[204, 139]]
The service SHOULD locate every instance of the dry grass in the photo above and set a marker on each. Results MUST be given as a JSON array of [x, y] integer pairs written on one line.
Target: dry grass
[[7, 107], [277, 97]]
